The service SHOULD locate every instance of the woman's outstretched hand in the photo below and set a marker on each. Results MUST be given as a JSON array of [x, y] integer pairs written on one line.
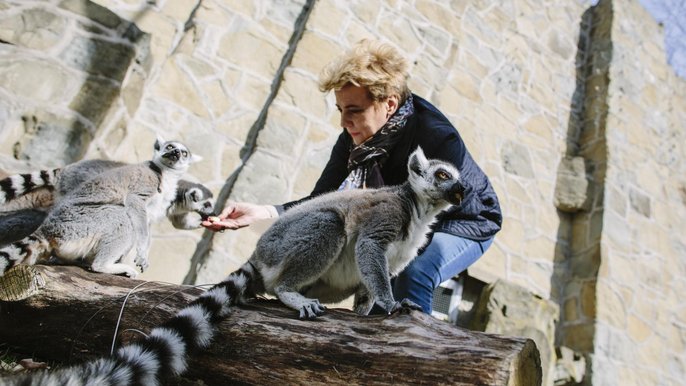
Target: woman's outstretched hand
[[238, 215]]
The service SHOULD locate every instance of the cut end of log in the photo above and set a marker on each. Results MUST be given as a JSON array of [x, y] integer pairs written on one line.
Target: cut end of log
[[525, 368], [20, 283]]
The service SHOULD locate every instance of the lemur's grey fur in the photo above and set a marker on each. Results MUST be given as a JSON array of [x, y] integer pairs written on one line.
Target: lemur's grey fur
[[106, 217], [193, 202], [332, 246], [352, 242]]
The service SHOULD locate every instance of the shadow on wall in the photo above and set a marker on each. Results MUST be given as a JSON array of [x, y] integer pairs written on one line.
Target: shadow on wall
[[106, 55], [109, 56], [580, 187], [202, 251]]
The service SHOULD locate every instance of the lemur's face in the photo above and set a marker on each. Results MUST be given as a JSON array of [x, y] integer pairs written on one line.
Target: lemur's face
[[437, 180], [199, 199], [173, 155]]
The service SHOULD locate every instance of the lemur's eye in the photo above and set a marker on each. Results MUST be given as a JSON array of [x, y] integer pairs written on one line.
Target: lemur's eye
[[442, 175], [168, 147], [185, 153]]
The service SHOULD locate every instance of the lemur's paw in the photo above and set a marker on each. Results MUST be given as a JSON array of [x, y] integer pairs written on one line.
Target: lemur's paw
[[404, 306], [131, 274], [143, 264], [311, 310], [407, 303]]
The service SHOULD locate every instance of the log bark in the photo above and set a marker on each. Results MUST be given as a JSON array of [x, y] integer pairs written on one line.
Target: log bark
[[67, 315]]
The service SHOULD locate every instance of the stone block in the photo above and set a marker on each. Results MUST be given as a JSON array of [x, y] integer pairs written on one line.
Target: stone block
[[38, 80], [579, 336], [35, 28], [170, 254], [508, 309], [98, 57], [52, 140], [283, 131], [572, 185], [325, 12], [245, 46], [516, 160], [570, 367], [571, 310], [133, 89], [612, 307], [177, 87], [297, 89], [640, 202], [95, 99], [314, 52], [92, 11]]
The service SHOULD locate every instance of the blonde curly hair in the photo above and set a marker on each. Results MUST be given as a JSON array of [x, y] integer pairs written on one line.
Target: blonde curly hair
[[372, 64]]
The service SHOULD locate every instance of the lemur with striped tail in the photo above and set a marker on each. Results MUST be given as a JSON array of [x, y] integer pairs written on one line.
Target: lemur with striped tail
[[104, 222], [332, 246], [352, 242], [193, 202]]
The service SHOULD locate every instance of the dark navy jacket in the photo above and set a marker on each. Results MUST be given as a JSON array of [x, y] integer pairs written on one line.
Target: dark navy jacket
[[477, 218]]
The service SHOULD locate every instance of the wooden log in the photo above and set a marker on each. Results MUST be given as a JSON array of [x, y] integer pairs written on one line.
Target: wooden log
[[68, 315]]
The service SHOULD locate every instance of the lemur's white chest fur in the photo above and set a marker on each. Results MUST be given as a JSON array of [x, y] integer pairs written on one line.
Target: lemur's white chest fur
[[401, 252], [343, 278], [158, 204]]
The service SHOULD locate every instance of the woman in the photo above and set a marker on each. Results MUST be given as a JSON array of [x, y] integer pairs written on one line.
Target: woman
[[383, 124]]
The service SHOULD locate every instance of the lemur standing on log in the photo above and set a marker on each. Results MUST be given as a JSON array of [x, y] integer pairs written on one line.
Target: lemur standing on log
[[193, 203], [108, 216]]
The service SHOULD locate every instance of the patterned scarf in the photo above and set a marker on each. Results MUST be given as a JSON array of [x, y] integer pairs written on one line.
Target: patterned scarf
[[366, 159]]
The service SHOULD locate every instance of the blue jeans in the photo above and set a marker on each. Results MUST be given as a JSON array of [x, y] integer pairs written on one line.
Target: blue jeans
[[446, 256]]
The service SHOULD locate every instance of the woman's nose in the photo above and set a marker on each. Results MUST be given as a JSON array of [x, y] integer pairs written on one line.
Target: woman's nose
[[345, 123]]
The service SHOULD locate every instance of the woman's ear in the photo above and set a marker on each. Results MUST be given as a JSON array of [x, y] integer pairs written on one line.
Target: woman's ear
[[392, 104]]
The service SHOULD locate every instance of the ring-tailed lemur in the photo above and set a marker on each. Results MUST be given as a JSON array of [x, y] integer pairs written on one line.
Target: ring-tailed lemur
[[107, 218], [193, 203], [331, 246], [351, 242]]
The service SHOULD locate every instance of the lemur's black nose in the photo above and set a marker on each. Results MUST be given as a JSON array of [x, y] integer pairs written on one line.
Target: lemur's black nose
[[173, 154], [456, 193]]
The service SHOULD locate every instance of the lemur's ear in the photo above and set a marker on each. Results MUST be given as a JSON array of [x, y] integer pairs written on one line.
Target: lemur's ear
[[195, 158], [418, 162], [195, 194], [159, 141]]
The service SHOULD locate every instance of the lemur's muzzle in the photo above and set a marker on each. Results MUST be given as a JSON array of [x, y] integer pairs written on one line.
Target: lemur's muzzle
[[207, 210], [173, 155], [456, 193]]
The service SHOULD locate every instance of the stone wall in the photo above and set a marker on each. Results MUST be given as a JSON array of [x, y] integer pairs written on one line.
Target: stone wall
[[641, 319], [570, 109]]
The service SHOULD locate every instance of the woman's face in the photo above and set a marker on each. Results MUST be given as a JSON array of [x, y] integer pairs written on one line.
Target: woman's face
[[360, 115]]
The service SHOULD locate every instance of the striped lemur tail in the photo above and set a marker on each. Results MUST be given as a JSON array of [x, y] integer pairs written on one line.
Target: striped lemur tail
[[28, 250], [19, 184], [165, 349]]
